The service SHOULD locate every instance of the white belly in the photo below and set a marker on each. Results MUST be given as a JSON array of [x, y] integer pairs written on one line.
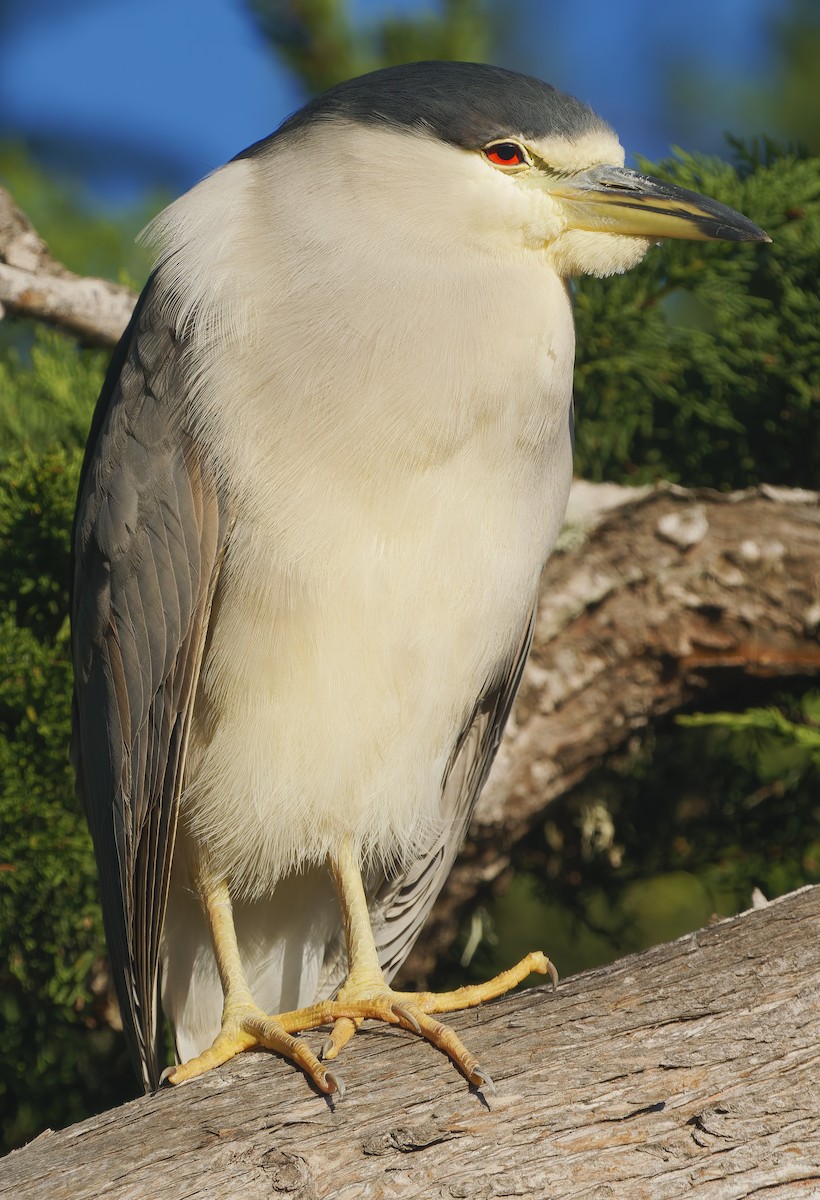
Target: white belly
[[334, 689], [392, 519]]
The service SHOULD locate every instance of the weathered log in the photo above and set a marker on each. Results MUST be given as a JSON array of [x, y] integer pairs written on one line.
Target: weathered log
[[690, 1069], [677, 599]]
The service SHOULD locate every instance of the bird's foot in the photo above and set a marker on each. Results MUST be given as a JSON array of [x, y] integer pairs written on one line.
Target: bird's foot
[[362, 998], [374, 1000], [247, 1027]]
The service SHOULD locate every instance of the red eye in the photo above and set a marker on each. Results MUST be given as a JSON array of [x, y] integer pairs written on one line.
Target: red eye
[[505, 154]]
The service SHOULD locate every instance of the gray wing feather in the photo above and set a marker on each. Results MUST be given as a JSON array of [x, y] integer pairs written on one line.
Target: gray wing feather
[[401, 904], [149, 534]]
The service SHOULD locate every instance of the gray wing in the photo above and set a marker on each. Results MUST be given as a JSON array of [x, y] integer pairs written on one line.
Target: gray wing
[[148, 538], [400, 905]]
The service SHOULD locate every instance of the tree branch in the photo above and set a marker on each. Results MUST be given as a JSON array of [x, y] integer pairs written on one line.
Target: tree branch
[[677, 599], [33, 284], [690, 1069]]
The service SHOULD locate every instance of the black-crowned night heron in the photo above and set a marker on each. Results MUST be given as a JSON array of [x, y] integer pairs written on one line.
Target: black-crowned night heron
[[330, 458]]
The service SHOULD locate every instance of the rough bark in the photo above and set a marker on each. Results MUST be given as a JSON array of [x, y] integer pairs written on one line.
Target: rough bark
[[690, 1069], [33, 284], [678, 599]]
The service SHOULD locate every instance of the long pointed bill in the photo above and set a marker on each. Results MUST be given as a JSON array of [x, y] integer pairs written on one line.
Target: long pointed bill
[[611, 199]]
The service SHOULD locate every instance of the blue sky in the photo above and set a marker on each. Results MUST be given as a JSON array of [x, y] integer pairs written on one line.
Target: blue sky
[[175, 87]]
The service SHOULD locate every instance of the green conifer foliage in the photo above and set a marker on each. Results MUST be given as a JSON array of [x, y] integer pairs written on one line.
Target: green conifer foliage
[[56, 1044], [702, 366]]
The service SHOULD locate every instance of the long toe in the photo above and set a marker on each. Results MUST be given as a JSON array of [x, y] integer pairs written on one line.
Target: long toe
[[254, 1028], [376, 1001]]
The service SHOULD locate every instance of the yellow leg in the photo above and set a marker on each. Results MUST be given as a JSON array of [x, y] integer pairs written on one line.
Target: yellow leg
[[365, 994], [243, 1024]]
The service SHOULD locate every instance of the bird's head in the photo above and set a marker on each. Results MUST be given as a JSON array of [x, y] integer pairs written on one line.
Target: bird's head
[[453, 153]]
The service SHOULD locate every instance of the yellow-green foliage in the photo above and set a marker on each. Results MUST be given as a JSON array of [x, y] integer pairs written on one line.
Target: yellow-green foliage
[[47, 391], [789, 737]]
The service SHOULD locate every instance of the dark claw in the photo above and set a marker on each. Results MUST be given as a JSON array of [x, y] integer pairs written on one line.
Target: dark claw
[[553, 973], [327, 1046], [337, 1086], [406, 1015], [165, 1074], [482, 1079]]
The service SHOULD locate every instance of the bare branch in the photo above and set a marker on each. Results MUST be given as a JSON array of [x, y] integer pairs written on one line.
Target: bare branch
[[33, 284]]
